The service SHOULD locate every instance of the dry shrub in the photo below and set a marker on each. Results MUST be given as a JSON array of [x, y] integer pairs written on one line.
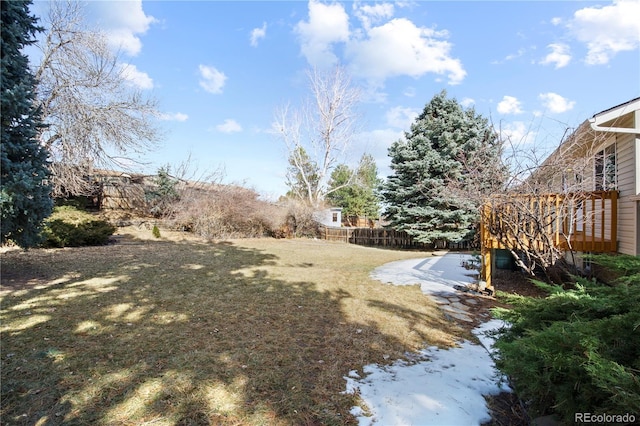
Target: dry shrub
[[221, 211], [298, 220], [213, 210]]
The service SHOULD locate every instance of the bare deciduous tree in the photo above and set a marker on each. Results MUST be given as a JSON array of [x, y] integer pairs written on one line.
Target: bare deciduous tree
[[549, 204], [320, 131], [95, 117]]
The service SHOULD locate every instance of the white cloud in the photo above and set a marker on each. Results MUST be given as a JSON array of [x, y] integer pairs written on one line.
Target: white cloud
[[559, 55], [372, 14], [556, 21], [607, 30], [409, 92], [400, 48], [401, 117], [257, 34], [517, 133], [211, 80], [511, 56], [178, 116], [378, 49], [375, 53], [229, 126], [123, 22], [509, 105], [373, 94], [328, 24], [137, 78], [555, 103], [467, 102]]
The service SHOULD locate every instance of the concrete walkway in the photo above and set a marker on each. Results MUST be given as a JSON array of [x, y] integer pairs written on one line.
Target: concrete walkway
[[438, 277], [439, 386]]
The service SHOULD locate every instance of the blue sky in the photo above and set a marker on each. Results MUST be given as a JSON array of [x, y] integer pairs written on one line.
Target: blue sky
[[221, 69]]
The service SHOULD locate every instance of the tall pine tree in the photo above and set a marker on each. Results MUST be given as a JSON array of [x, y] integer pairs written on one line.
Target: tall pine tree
[[24, 194], [355, 191], [442, 169]]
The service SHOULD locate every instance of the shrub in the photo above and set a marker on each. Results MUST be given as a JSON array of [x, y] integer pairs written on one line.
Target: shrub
[[156, 231], [577, 350], [300, 220], [223, 211], [216, 211], [162, 193], [70, 227]]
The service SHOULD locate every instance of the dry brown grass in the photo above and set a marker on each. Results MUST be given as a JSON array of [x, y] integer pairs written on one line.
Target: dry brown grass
[[178, 331]]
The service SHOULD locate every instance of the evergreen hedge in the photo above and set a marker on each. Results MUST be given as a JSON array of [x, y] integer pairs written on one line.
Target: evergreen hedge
[[70, 227], [578, 349]]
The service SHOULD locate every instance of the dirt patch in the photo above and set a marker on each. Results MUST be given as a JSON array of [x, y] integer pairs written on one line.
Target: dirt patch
[[506, 408], [515, 282]]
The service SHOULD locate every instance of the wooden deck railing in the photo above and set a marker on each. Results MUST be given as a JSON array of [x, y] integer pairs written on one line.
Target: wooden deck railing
[[566, 222]]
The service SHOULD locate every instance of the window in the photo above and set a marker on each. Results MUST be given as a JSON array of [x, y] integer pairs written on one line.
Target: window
[[335, 217], [605, 169]]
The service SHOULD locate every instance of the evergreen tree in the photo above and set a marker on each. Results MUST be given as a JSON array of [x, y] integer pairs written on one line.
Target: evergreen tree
[[164, 194], [442, 169], [355, 191], [302, 176], [25, 198]]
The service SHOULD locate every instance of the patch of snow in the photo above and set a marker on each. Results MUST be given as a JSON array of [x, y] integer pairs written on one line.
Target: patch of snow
[[445, 387], [486, 331], [440, 386], [435, 275], [354, 374]]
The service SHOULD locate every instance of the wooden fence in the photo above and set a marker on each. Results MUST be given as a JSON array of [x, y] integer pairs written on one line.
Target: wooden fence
[[380, 237]]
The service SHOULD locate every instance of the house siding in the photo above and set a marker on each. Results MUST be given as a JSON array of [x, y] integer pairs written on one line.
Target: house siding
[[627, 208], [627, 220], [626, 164]]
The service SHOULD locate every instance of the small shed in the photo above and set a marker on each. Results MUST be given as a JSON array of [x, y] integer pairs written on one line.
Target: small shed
[[331, 217]]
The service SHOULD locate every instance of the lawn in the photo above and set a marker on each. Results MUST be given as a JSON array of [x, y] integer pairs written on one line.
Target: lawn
[[179, 331]]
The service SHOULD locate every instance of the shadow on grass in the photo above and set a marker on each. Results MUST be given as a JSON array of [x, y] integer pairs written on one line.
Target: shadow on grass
[[413, 318], [175, 333]]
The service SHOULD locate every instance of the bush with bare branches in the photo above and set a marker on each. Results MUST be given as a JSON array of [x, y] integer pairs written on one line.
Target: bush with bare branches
[[219, 211], [549, 206], [198, 202], [299, 220]]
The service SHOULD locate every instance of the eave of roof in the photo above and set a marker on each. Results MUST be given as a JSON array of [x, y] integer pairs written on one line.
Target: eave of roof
[[616, 107]]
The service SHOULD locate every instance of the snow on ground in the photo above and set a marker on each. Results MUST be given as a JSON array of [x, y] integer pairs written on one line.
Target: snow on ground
[[438, 274], [443, 386]]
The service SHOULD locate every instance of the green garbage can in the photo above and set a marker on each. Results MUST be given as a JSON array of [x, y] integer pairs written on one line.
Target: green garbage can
[[504, 260]]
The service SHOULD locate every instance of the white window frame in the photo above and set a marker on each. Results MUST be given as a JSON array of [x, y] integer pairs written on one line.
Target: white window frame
[[605, 169]]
